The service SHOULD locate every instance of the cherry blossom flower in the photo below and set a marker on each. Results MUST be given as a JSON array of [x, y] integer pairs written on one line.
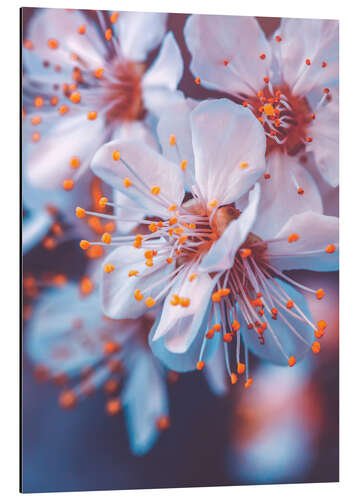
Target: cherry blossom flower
[[290, 84], [69, 340], [86, 80], [176, 230]]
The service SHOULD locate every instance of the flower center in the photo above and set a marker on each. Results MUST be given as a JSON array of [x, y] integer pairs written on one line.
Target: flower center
[[285, 118]]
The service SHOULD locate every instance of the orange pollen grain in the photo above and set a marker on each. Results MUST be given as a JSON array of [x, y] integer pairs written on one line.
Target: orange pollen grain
[[172, 140], [321, 324], [200, 365], [92, 115], [74, 162], [234, 378], [245, 252], [38, 102], [103, 202], [108, 34], [138, 295], [127, 182], [155, 190], [84, 244], [106, 238], [292, 361], [80, 212], [198, 81], [183, 165], [150, 302], [293, 237], [109, 268], [68, 184], [52, 43], [320, 294], [248, 383], [75, 97], [316, 347], [81, 30], [36, 120], [330, 249], [63, 109], [114, 17], [241, 368], [113, 406]]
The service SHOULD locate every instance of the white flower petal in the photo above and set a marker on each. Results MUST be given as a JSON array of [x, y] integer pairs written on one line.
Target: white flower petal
[[145, 400], [48, 161], [229, 147], [216, 372], [279, 197], [238, 40], [145, 168], [62, 25], [222, 252], [316, 232], [140, 32], [156, 99], [187, 360], [314, 39], [118, 288], [180, 324], [167, 69], [34, 228], [291, 344], [175, 120], [324, 131]]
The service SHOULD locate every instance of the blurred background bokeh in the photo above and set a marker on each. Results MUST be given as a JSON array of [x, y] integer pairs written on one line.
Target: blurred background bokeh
[[283, 429]]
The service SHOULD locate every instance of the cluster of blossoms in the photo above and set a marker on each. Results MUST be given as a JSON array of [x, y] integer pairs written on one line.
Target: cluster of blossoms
[[207, 207]]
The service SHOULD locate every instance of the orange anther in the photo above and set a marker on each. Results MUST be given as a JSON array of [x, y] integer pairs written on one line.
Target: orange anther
[[248, 383], [84, 244], [241, 368], [150, 302], [35, 137], [111, 347], [245, 252], [184, 302], [183, 165], [290, 304], [152, 227], [172, 208], [81, 30], [200, 365], [316, 347], [292, 361], [149, 262], [323, 64], [28, 44], [216, 297], [133, 272], [163, 423], [75, 97], [103, 202], [155, 190], [109, 268], [262, 56], [113, 406], [243, 165], [106, 238], [192, 276], [68, 184], [67, 399], [307, 62], [266, 79], [63, 109], [224, 291], [300, 190], [321, 324], [267, 176], [92, 115], [175, 300], [52, 43], [38, 102], [234, 378], [213, 203], [225, 62], [227, 337], [108, 34], [269, 109], [86, 285], [330, 248], [54, 101], [293, 237], [127, 182], [278, 38], [74, 162], [116, 155], [326, 91], [138, 295], [274, 311], [172, 140], [169, 260], [114, 17], [80, 212], [320, 294], [36, 120], [197, 81], [98, 73], [235, 325], [319, 333]]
